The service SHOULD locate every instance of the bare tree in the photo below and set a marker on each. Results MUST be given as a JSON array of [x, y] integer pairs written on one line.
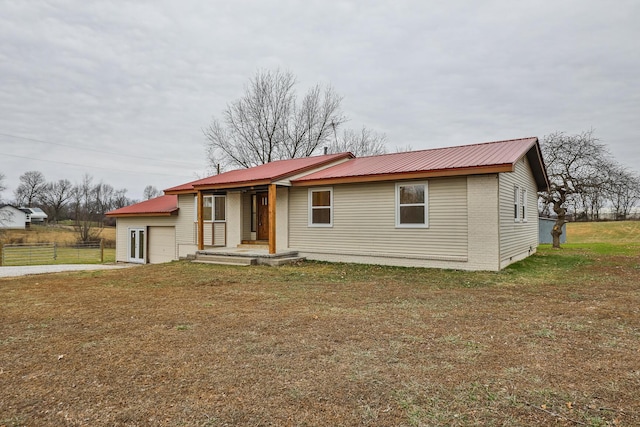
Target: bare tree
[[623, 191], [4, 216], [54, 198], [31, 185], [363, 143], [267, 123], [120, 199], [592, 193], [2, 185], [150, 192], [88, 224], [572, 163]]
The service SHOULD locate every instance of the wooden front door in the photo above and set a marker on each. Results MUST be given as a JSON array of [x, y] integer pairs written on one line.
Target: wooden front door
[[262, 200]]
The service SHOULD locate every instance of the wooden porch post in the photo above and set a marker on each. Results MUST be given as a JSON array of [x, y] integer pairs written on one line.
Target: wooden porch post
[[200, 221], [272, 218]]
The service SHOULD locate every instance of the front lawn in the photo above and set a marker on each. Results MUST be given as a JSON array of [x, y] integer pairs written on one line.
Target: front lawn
[[552, 340]]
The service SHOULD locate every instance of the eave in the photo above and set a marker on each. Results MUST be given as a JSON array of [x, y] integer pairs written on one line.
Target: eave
[[476, 170], [144, 214]]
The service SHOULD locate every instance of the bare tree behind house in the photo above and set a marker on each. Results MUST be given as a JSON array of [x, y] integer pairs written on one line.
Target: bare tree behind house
[[573, 164], [150, 192], [31, 185], [269, 123], [88, 224], [4, 216], [55, 197], [623, 191], [120, 199], [364, 143]]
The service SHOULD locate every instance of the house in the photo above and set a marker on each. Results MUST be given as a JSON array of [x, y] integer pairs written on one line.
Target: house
[[35, 215], [471, 207], [12, 218]]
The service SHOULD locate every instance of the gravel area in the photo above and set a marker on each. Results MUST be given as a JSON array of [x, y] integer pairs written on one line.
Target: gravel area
[[23, 270]]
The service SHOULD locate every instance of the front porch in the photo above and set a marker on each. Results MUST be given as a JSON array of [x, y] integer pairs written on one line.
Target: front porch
[[256, 217]]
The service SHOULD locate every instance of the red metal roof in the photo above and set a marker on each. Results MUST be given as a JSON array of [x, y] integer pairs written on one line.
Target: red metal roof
[[160, 206], [452, 160], [261, 174]]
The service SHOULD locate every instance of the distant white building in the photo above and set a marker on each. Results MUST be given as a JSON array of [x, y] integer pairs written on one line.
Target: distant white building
[[35, 215], [12, 218]]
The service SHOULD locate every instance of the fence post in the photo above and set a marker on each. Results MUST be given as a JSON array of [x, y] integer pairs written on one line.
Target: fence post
[[101, 251], [55, 251]]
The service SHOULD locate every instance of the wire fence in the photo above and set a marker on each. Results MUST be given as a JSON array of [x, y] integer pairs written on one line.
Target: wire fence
[[51, 253]]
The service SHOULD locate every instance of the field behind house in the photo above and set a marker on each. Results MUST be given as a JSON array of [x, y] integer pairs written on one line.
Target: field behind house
[[552, 340], [33, 249]]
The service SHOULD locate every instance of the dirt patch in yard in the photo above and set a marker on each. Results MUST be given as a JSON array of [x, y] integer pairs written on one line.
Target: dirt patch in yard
[[323, 344]]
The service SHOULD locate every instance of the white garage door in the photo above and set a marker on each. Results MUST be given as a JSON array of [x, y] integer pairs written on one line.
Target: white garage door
[[161, 244]]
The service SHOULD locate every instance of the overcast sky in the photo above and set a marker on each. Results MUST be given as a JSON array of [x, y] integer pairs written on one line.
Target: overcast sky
[[121, 90]]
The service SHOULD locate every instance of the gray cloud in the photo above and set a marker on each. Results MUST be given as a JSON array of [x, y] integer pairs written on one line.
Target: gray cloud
[[139, 80]]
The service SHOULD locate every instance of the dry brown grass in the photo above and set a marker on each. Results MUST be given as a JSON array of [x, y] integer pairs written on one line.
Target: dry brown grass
[[61, 234], [554, 340]]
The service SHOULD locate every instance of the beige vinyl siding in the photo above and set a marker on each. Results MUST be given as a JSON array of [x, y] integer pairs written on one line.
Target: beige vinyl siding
[[364, 222], [214, 233], [185, 232], [517, 239], [125, 223]]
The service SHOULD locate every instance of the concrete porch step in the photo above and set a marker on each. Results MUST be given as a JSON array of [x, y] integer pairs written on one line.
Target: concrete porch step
[[244, 259]]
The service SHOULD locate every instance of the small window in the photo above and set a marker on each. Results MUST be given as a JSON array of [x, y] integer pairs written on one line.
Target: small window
[[321, 207], [516, 204], [411, 205], [523, 206], [207, 205], [214, 208]]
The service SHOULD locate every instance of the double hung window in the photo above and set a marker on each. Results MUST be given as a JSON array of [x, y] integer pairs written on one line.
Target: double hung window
[[320, 207], [412, 208]]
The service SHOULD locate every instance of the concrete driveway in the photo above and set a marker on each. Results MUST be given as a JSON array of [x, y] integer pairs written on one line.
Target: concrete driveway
[[12, 271]]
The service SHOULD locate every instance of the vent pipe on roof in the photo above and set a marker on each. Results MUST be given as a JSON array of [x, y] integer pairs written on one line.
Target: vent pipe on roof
[[326, 150]]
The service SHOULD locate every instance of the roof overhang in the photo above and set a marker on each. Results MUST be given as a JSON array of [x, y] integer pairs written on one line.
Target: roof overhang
[[534, 156], [479, 170], [143, 214]]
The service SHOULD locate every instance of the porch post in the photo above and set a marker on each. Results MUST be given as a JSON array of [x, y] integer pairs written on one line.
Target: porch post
[[272, 218], [200, 235]]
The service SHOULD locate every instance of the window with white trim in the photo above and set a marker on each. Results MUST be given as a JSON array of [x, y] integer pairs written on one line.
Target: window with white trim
[[321, 207], [516, 203], [412, 207], [523, 206], [214, 208]]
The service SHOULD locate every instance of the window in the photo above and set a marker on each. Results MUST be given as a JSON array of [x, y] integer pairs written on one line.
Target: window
[[516, 204], [411, 205], [320, 207], [207, 204], [214, 208], [220, 208], [523, 206]]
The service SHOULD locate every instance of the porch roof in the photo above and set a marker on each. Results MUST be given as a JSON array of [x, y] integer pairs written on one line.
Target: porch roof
[[490, 157], [259, 175], [160, 206]]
